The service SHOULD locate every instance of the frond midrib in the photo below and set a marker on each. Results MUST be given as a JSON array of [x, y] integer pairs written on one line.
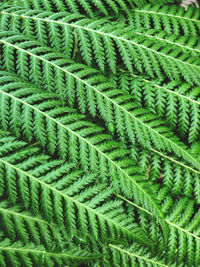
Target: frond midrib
[[83, 139], [65, 196], [167, 41], [137, 256], [21, 214], [89, 29], [165, 14], [54, 254], [175, 161], [116, 37], [151, 214], [114, 103], [164, 88]]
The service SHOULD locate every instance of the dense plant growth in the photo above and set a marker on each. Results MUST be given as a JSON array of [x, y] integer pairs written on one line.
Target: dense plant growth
[[99, 133]]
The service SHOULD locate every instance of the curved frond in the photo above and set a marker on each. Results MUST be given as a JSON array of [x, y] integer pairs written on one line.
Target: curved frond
[[64, 194], [133, 256], [18, 254], [19, 223], [65, 132], [79, 6], [171, 18], [89, 6], [135, 50], [178, 177], [186, 44], [184, 231], [175, 101], [93, 91]]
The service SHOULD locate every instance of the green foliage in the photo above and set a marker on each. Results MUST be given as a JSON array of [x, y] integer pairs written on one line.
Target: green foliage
[[108, 44], [173, 19], [167, 99], [99, 133]]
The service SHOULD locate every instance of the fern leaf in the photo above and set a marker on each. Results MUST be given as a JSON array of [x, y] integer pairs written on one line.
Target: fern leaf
[[187, 178], [184, 235], [88, 7], [18, 254], [18, 223], [54, 182], [77, 6], [133, 256], [97, 150], [175, 101], [171, 18], [136, 119], [186, 44], [144, 48]]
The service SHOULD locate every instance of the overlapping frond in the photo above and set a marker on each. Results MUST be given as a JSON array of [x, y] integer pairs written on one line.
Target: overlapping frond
[[186, 44], [133, 256], [179, 178], [17, 253], [64, 194], [182, 218], [35, 114], [171, 18], [175, 101], [109, 44], [93, 92], [56, 27], [18, 223], [102, 97], [78, 6], [89, 6]]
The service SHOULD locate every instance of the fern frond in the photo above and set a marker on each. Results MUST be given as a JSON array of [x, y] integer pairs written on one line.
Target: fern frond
[[67, 133], [18, 223], [177, 176], [64, 194], [171, 18], [133, 256], [186, 44], [78, 6], [175, 101], [17, 254], [93, 91], [135, 50], [88, 7], [184, 232]]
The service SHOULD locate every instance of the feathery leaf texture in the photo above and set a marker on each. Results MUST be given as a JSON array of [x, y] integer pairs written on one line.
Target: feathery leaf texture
[[107, 42], [133, 256], [171, 18], [184, 232], [16, 254], [65, 132], [89, 6], [121, 109], [62, 193], [99, 133], [168, 100]]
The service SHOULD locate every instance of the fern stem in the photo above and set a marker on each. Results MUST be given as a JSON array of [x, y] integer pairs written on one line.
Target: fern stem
[[2, 210], [54, 254], [167, 41], [113, 37], [166, 15], [162, 87], [110, 100], [79, 137], [137, 256], [65, 196], [151, 214], [177, 162]]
